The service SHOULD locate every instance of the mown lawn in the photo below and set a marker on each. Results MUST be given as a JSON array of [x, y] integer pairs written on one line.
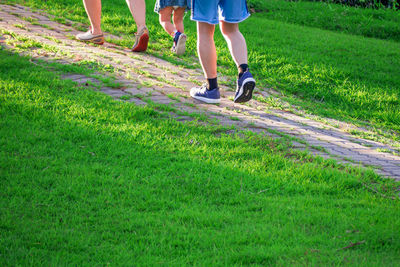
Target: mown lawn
[[87, 180], [376, 23], [334, 61]]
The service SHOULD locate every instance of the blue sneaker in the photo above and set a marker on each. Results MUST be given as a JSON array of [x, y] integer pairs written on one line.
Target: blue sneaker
[[245, 87], [208, 96]]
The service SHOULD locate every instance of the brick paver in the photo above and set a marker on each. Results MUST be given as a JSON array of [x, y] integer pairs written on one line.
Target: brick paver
[[146, 77]]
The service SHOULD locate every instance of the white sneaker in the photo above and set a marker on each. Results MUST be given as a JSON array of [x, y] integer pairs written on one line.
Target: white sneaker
[[179, 46], [89, 37]]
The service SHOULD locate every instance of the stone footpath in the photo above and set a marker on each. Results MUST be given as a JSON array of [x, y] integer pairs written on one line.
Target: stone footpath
[[144, 77]]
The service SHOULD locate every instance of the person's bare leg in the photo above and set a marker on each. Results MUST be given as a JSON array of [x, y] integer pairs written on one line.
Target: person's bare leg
[[179, 13], [138, 11], [236, 42], [165, 20], [206, 49], [237, 47], [93, 10]]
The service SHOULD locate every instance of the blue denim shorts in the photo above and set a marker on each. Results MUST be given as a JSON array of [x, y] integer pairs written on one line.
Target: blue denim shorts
[[160, 4], [212, 11]]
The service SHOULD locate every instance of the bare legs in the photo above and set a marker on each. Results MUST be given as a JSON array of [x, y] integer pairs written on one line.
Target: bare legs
[[165, 19], [93, 10], [206, 49], [179, 13], [138, 11], [206, 46], [236, 42]]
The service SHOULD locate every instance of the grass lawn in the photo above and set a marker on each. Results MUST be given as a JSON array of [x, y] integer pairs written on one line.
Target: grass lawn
[[87, 180], [334, 61], [376, 23]]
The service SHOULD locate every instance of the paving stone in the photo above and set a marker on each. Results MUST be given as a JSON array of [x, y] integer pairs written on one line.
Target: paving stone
[[74, 77], [161, 100], [88, 80], [134, 91], [298, 145], [112, 92], [393, 169], [184, 108], [137, 101]]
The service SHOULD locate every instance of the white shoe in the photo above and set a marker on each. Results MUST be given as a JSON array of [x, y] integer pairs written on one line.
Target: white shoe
[[89, 37], [180, 46]]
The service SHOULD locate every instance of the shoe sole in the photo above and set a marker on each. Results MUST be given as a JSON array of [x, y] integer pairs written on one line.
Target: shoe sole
[[206, 100], [246, 91], [97, 40], [142, 45], [181, 45]]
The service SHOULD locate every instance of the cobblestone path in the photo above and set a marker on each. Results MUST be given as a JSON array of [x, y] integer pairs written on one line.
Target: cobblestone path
[[144, 77]]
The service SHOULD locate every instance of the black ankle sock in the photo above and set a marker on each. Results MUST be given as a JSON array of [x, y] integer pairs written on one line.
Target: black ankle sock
[[242, 69], [212, 83]]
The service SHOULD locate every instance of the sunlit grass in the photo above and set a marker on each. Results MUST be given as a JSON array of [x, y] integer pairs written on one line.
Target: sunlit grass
[[368, 22]]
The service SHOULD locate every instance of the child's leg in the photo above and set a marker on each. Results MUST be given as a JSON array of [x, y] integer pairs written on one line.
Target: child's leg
[[238, 49], [93, 10], [206, 49], [179, 13], [236, 42], [205, 13], [165, 20], [138, 11]]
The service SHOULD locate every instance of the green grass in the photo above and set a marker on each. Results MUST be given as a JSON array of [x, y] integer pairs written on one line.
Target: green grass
[[86, 180], [313, 53], [382, 23]]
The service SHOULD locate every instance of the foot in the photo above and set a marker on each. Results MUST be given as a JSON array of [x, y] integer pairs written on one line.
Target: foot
[[208, 96], [141, 40], [89, 37], [245, 87], [179, 46]]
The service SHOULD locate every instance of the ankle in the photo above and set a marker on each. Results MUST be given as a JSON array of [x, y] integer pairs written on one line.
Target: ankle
[[141, 28], [212, 83], [96, 31], [242, 69]]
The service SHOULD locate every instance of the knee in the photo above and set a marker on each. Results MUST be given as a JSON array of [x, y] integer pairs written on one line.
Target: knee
[[164, 19], [227, 29], [165, 15], [205, 30], [178, 15]]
